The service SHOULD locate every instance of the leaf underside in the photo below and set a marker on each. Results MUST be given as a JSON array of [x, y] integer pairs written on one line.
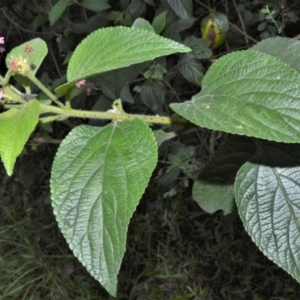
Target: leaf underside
[[268, 198], [98, 178]]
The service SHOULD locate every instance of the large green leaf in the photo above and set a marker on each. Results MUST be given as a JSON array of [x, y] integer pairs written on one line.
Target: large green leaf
[[113, 48], [268, 198], [248, 93], [117, 47], [213, 189], [98, 178], [16, 125]]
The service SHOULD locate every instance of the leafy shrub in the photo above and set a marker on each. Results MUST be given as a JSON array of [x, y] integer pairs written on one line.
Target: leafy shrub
[[100, 173]]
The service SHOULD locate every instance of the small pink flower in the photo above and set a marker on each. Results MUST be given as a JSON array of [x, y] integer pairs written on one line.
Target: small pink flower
[[1, 95], [80, 83], [1, 42], [88, 90]]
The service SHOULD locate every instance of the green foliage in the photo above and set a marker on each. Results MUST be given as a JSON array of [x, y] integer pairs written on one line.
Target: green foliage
[[159, 22], [129, 46], [118, 47], [57, 10], [35, 60], [243, 93], [95, 5], [266, 193], [100, 172], [109, 168], [214, 28], [258, 97], [16, 125], [213, 189]]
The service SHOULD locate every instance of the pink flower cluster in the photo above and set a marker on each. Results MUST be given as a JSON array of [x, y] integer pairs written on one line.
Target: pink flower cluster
[[88, 86], [1, 43]]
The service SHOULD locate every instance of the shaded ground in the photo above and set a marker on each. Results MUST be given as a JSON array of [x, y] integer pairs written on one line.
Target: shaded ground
[[174, 251]]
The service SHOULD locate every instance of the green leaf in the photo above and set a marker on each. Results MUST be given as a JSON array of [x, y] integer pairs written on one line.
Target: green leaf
[[190, 68], [262, 26], [171, 174], [173, 35], [57, 10], [248, 93], [156, 71], [12, 93], [101, 68], [183, 9], [126, 95], [141, 23], [96, 5], [124, 4], [97, 21], [150, 2], [213, 189], [153, 97], [159, 22], [182, 157], [117, 47], [160, 136], [16, 125], [114, 82], [136, 8], [98, 178], [267, 195], [287, 50], [34, 58], [39, 21], [181, 24], [214, 28], [200, 47]]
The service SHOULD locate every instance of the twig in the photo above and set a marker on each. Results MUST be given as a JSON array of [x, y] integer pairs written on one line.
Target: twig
[[212, 142], [20, 27], [241, 20], [244, 33], [283, 4], [172, 90], [55, 62], [41, 140]]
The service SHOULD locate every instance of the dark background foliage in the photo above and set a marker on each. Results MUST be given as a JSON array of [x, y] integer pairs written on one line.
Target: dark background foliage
[[174, 249]]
